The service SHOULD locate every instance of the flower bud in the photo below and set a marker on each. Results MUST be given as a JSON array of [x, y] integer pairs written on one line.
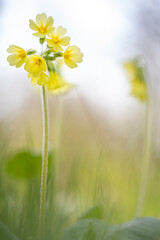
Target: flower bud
[[31, 51]]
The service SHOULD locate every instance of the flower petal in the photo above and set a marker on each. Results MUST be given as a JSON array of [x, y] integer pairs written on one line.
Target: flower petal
[[33, 81], [50, 31], [33, 25], [49, 42], [12, 59], [20, 63], [70, 64], [40, 35], [76, 54], [65, 41], [50, 21], [14, 49], [60, 31], [41, 19]]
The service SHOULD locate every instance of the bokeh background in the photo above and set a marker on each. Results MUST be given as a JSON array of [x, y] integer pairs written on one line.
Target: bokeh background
[[98, 127]]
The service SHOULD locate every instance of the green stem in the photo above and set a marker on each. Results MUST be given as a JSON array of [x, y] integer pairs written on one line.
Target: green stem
[[146, 159], [44, 165]]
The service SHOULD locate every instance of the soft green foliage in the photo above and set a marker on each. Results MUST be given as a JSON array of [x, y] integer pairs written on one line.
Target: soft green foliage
[[25, 164], [5, 233], [95, 212], [19, 199], [78, 231], [98, 186], [90, 233], [138, 229]]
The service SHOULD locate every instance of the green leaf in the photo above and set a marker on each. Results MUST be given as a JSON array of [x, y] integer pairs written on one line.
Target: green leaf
[[138, 229], [25, 164], [5, 233], [89, 234], [82, 229], [94, 212]]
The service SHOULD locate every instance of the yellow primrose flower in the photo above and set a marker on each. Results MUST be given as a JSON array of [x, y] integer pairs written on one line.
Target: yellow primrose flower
[[139, 89], [43, 25], [57, 40], [35, 64], [137, 79], [72, 56], [41, 79], [18, 56], [131, 69], [56, 84]]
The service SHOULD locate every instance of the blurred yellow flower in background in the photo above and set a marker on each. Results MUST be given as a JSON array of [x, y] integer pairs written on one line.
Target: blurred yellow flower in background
[[43, 25], [56, 84], [35, 64], [18, 56], [138, 89], [72, 56], [40, 80], [57, 40], [137, 79]]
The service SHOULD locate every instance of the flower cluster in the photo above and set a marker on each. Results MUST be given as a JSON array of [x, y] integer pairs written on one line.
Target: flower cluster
[[137, 79], [37, 64]]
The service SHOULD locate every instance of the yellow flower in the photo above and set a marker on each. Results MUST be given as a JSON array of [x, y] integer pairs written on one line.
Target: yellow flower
[[137, 79], [35, 64], [56, 84], [57, 40], [43, 25], [41, 79], [139, 89], [72, 56], [131, 69], [18, 56]]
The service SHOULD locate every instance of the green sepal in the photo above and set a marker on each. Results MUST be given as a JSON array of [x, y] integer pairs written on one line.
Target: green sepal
[[47, 52], [50, 66], [58, 54], [49, 58], [31, 51], [41, 40]]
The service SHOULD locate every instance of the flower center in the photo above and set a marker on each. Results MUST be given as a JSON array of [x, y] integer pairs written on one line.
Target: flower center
[[56, 40], [38, 61], [68, 54], [42, 29], [22, 54]]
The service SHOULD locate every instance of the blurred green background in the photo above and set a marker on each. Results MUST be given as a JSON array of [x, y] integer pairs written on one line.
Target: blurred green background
[[98, 165]]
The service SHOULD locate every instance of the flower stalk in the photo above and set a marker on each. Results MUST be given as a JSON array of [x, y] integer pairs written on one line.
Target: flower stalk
[[44, 164], [146, 159], [138, 73]]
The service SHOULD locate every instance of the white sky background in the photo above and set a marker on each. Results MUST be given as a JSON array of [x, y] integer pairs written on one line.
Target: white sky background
[[103, 29]]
